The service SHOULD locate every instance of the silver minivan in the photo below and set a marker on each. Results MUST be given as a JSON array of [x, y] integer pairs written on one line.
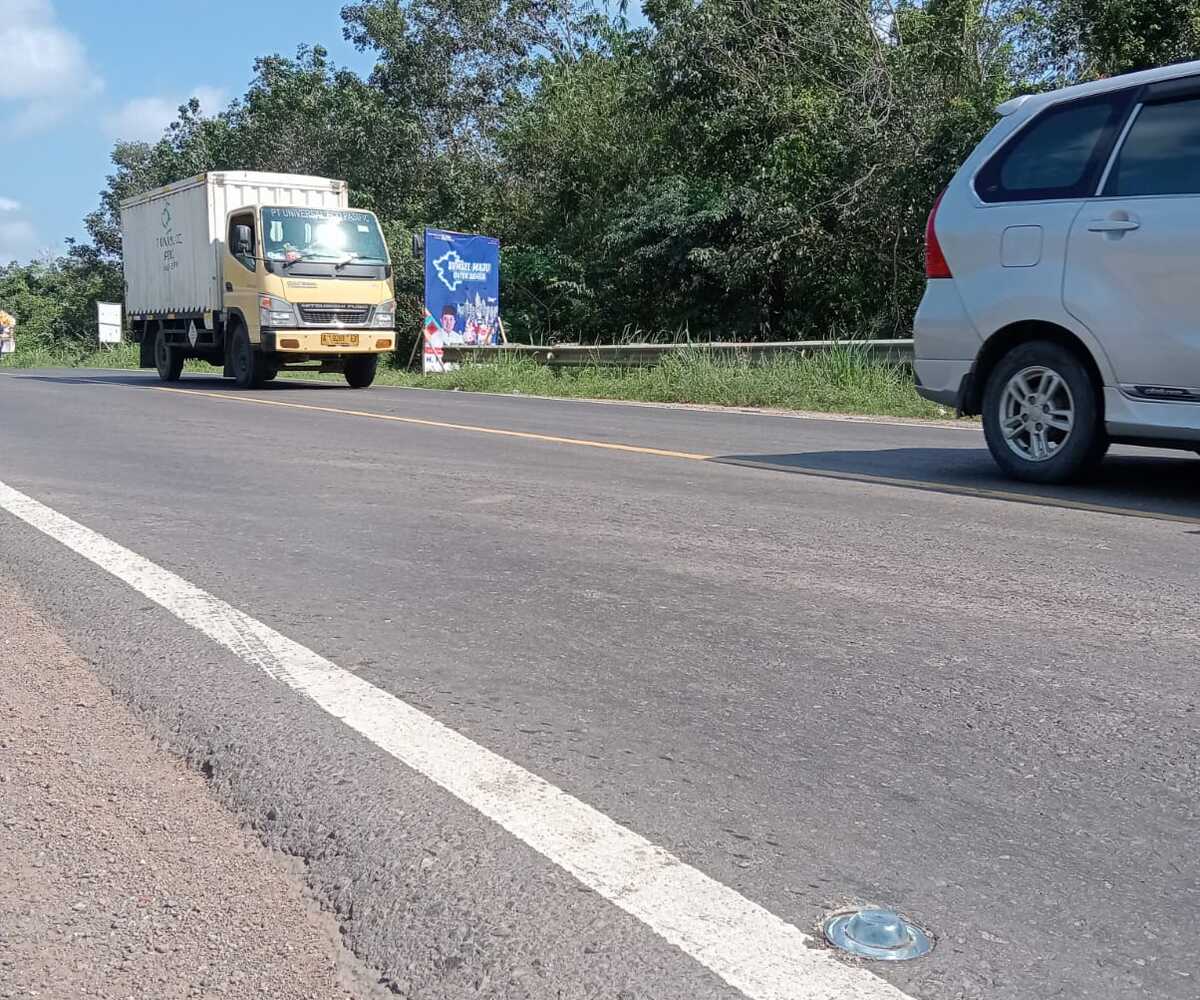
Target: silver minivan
[[1063, 263]]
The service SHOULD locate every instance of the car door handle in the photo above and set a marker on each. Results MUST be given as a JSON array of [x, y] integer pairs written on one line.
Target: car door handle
[[1113, 225], [229, 286]]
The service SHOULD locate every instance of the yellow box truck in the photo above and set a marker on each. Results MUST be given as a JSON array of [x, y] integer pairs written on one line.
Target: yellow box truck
[[256, 273]]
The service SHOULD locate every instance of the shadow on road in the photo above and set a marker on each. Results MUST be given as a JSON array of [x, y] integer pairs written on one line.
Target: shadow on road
[[1158, 484]]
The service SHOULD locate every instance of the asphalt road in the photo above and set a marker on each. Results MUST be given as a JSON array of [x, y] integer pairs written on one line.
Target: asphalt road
[[820, 661]]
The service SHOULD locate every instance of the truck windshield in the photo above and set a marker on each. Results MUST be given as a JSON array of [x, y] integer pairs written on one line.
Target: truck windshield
[[320, 234]]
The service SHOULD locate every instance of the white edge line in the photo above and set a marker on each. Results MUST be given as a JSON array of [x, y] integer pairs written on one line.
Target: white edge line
[[750, 948]]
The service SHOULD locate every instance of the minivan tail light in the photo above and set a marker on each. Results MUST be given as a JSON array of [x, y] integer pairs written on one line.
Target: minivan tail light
[[935, 260]]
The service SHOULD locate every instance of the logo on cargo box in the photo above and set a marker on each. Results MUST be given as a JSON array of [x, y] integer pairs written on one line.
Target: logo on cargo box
[[169, 240]]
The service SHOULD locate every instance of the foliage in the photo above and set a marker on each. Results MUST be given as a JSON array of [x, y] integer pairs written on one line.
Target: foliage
[[739, 168], [1107, 37], [845, 380], [54, 302]]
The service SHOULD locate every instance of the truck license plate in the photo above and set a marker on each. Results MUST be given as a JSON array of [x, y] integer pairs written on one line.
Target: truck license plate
[[339, 340]]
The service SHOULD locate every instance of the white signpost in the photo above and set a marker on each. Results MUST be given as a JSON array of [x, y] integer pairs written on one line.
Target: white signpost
[[109, 317]]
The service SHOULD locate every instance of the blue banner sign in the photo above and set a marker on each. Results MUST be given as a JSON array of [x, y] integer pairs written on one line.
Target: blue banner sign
[[462, 293]]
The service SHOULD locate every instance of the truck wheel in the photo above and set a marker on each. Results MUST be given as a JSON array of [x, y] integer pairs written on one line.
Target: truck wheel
[[167, 359], [360, 370], [1041, 415], [249, 366]]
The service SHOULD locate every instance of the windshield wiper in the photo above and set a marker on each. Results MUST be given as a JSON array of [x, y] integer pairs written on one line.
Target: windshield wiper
[[338, 264], [300, 257], [359, 258]]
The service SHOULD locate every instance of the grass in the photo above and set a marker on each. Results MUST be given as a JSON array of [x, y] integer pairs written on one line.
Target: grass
[[36, 356], [117, 356], [844, 380]]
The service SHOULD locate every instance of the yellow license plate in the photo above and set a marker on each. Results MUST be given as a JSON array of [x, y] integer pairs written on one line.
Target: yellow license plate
[[339, 340]]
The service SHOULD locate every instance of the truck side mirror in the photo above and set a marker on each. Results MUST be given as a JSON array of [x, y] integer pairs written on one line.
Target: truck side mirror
[[241, 241], [418, 246]]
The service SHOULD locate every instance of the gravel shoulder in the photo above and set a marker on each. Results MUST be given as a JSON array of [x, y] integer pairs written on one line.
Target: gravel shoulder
[[122, 876]]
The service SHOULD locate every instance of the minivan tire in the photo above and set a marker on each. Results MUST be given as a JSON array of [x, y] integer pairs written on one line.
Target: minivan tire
[[167, 359], [360, 370], [1069, 455], [250, 368]]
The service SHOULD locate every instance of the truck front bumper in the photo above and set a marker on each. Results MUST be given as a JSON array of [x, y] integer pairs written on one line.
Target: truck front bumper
[[317, 342]]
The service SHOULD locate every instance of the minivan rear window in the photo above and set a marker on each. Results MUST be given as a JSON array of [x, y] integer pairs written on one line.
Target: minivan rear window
[[1059, 155], [1161, 153]]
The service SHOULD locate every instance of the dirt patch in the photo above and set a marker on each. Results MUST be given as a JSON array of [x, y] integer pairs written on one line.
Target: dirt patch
[[122, 876]]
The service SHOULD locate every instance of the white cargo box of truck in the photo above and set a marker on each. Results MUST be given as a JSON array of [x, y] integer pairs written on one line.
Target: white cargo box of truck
[[173, 237]]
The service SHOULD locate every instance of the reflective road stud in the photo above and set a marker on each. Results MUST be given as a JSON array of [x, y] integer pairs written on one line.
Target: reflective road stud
[[880, 935]]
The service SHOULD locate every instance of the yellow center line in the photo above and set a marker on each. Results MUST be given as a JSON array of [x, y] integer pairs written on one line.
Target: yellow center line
[[444, 425], [928, 486]]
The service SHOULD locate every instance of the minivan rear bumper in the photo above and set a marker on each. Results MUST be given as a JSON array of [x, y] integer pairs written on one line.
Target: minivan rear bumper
[[945, 343], [943, 381]]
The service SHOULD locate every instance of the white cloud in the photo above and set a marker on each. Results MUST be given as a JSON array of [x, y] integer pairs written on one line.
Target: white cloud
[[144, 118], [18, 241], [18, 237], [46, 72]]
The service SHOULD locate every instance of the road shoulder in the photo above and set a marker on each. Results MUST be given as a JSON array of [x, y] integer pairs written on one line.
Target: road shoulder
[[125, 877]]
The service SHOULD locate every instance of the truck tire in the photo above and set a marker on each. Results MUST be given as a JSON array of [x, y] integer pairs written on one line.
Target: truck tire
[[167, 359], [249, 366], [1042, 415], [360, 370]]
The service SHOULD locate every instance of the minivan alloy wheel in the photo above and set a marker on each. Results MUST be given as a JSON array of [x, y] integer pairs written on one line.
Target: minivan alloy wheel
[[1037, 413]]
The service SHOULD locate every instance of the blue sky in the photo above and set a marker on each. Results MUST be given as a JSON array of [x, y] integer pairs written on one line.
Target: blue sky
[[76, 75], [83, 73]]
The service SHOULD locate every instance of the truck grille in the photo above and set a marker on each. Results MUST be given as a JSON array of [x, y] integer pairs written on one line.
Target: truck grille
[[323, 315]]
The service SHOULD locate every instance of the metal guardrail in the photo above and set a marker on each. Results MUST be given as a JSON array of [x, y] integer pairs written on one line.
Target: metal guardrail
[[642, 355]]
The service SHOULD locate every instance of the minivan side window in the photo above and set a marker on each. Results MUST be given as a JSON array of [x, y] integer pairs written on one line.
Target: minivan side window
[[1060, 154], [1161, 153]]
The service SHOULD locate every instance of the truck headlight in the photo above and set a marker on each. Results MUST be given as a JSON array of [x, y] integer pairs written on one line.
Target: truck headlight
[[275, 312], [385, 315]]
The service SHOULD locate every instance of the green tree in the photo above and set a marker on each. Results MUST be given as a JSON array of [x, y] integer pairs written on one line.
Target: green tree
[[1106, 37], [741, 168], [54, 301]]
